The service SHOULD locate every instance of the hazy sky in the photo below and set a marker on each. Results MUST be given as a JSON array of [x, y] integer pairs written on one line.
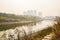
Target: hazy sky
[[47, 7]]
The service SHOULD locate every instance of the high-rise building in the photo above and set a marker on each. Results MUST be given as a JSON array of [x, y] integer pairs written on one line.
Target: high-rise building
[[39, 14], [33, 13], [30, 12]]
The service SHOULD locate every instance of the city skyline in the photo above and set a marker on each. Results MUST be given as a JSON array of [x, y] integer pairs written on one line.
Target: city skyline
[[47, 7]]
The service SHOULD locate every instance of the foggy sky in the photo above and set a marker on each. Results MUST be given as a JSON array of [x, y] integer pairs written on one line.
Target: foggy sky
[[47, 7]]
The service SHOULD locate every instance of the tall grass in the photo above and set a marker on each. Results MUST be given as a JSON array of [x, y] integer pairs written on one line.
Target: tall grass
[[56, 30]]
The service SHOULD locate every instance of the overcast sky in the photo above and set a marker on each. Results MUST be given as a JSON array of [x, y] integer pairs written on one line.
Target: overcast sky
[[47, 7]]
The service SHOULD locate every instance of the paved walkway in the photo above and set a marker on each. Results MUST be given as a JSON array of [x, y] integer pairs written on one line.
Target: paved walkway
[[48, 37]]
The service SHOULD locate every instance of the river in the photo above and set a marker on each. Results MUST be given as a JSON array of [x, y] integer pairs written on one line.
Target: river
[[25, 30]]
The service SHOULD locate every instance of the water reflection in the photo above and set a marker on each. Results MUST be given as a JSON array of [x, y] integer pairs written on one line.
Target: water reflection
[[20, 32]]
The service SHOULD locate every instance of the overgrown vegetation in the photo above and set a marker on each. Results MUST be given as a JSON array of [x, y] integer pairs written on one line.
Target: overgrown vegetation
[[42, 33], [56, 29]]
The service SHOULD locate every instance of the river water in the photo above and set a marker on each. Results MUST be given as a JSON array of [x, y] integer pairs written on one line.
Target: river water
[[12, 33]]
